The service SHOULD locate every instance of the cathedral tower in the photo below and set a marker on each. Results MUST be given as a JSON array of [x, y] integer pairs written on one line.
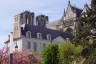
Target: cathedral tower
[[22, 19], [41, 20]]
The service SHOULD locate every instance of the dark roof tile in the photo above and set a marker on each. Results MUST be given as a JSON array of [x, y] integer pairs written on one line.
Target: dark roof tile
[[44, 31]]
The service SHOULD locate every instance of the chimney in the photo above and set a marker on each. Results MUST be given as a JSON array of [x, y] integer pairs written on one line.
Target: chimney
[[8, 37], [11, 43]]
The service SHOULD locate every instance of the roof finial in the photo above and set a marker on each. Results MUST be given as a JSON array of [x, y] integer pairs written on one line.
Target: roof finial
[[69, 1], [86, 5], [64, 12]]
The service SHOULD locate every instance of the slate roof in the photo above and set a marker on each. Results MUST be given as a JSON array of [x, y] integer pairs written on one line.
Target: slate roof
[[74, 9], [44, 31], [77, 11]]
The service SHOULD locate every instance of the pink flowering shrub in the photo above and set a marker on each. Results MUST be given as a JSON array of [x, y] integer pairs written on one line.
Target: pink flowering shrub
[[25, 57]]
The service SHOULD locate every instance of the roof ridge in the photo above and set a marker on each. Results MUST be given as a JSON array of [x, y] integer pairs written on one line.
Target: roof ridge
[[76, 7]]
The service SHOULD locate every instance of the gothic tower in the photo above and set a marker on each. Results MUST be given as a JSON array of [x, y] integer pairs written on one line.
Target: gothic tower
[[22, 19], [41, 20]]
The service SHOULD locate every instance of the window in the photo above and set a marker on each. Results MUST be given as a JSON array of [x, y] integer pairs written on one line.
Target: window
[[44, 44], [27, 21], [29, 45], [48, 37], [69, 30], [16, 18], [28, 34], [39, 35], [35, 46]]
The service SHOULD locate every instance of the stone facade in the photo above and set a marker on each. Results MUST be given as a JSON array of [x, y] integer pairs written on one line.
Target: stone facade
[[68, 22], [42, 20], [21, 19], [34, 44], [30, 32], [35, 32]]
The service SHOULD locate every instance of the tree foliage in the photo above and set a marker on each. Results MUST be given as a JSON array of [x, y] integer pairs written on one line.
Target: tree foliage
[[88, 19], [85, 36], [50, 54], [17, 57], [69, 52], [93, 4]]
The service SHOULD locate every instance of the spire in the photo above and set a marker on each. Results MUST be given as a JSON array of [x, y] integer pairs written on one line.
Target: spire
[[64, 12], [86, 6], [69, 2]]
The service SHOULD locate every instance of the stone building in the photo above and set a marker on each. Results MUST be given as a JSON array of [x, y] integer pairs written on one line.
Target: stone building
[[35, 32], [30, 32], [68, 22]]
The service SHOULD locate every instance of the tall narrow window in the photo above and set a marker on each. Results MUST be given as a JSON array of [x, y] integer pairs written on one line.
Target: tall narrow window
[[35, 46], [28, 34], [44, 44], [29, 45], [49, 37], [27, 20], [39, 35]]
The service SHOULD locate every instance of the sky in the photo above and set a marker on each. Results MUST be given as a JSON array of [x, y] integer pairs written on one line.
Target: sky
[[52, 8]]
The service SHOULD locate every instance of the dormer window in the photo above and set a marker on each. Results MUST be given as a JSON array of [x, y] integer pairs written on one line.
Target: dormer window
[[39, 35], [28, 34], [49, 37]]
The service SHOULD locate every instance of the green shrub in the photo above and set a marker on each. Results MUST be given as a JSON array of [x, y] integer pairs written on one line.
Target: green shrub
[[49, 54]]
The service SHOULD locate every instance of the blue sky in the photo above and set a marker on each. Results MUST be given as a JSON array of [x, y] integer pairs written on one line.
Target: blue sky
[[53, 8]]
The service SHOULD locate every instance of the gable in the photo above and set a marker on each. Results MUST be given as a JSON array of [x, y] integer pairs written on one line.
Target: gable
[[69, 13]]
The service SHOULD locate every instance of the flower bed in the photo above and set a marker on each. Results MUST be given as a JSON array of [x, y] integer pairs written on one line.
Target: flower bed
[[25, 57]]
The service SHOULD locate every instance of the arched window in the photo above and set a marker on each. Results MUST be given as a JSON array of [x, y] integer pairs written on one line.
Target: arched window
[[28, 34], [39, 35], [27, 19], [70, 30], [49, 37]]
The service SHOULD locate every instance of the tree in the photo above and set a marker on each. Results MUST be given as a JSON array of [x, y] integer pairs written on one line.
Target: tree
[[18, 57], [49, 54], [88, 20], [93, 4], [68, 52], [83, 37]]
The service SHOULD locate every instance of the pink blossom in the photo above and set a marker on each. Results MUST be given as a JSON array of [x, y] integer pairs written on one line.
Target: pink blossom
[[36, 58], [5, 49], [26, 53], [24, 57], [1, 52]]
